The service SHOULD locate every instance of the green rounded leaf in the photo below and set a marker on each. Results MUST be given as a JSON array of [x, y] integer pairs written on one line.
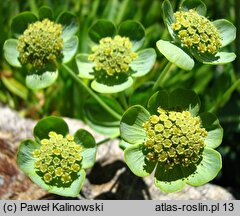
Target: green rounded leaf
[[214, 129], [69, 23], [175, 55], [227, 31], [223, 58], [86, 140], [219, 58], [101, 29], [69, 49], [10, 52], [178, 172], [137, 162], [85, 67], [25, 159], [144, 62], [170, 187], [131, 129], [36, 81], [159, 99], [20, 22], [208, 169], [197, 5], [51, 123], [72, 191], [98, 115], [45, 12], [109, 89], [15, 87], [168, 16], [185, 99], [134, 31], [109, 131]]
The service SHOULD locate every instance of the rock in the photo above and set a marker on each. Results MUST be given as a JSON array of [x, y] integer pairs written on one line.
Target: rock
[[110, 178]]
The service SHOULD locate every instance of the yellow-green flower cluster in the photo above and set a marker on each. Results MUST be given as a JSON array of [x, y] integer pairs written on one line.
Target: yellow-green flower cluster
[[40, 43], [58, 159], [113, 55], [174, 138], [196, 31]]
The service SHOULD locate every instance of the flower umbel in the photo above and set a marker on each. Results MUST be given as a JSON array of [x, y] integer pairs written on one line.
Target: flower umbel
[[113, 55], [196, 31], [116, 58], [58, 159], [174, 138], [40, 43], [195, 36]]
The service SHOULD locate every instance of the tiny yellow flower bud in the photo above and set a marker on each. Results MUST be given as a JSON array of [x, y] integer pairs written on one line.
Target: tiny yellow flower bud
[[70, 137], [47, 177]]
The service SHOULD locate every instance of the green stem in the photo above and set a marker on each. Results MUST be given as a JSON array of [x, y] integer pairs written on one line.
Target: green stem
[[225, 96], [162, 76], [95, 96], [122, 11], [33, 6], [108, 139], [123, 100], [237, 41]]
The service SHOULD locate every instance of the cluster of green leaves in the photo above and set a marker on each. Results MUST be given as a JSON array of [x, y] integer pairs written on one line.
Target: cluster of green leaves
[[26, 160]]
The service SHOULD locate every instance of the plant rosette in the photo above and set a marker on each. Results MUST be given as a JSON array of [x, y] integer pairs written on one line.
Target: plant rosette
[[172, 140], [195, 36], [56, 160], [40, 44], [115, 59]]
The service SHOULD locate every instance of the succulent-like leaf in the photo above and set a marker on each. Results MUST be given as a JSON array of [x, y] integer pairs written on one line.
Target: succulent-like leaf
[[86, 140], [25, 159], [137, 161], [227, 31], [219, 58], [197, 5], [45, 12], [169, 187], [131, 129], [168, 16], [100, 29], [207, 169], [175, 55], [144, 62], [47, 124], [214, 129], [10, 52], [69, 23], [85, 67], [134, 31], [185, 99], [20, 22], [159, 99], [69, 49], [113, 88], [37, 81]]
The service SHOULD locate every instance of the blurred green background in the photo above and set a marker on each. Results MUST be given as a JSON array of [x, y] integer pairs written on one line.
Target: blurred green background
[[214, 84]]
